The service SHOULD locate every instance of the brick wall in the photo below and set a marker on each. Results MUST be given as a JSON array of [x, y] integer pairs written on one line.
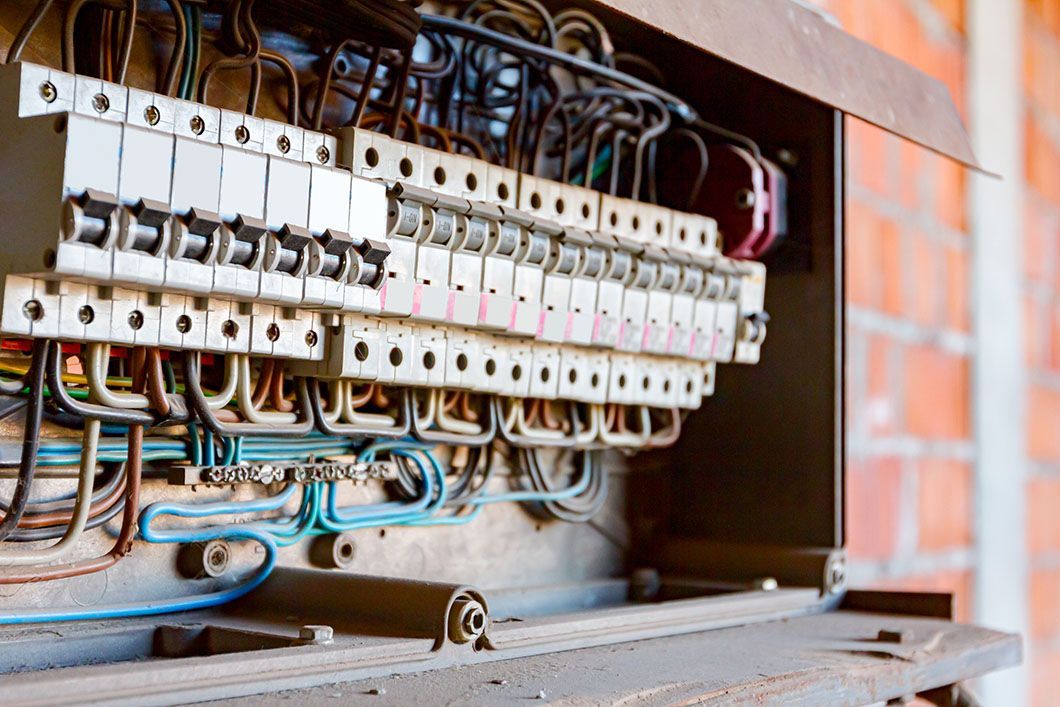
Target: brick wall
[[1041, 243], [910, 449]]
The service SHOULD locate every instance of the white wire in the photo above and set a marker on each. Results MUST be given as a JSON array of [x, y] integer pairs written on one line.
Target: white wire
[[86, 480], [452, 424], [228, 390], [98, 358], [244, 399]]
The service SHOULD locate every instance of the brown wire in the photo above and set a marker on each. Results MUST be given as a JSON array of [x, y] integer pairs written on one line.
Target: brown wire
[[531, 415], [279, 402], [43, 520], [123, 542], [380, 398], [261, 387], [466, 410], [609, 418], [156, 386], [548, 417]]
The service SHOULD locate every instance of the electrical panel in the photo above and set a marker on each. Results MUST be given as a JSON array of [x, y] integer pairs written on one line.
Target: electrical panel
[[356, 338]]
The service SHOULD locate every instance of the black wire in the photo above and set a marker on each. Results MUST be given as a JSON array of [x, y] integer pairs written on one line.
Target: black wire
[[30, 439], [62, 399]]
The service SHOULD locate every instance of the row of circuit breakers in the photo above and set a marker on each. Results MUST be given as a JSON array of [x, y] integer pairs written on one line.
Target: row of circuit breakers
[[136, 219]]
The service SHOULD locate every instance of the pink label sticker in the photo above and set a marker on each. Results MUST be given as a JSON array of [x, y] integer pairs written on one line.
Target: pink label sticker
[[450, 306], [692, 343], [597, 320], [541, 323], [621, 331], [569, 327], [417, 298], [382, 294], [647, 336], [670, 340], [515, 312], [714, 346], [483, 308]]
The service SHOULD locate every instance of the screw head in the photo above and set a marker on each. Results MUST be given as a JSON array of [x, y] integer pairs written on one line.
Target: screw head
[[100, 103], [283, 144], [33, 310], [184, 324], [272, 332], [197, 125], [242, 134], [311, 339], [323, 154], [230, 329], [152, 115], [48, 92], [85, 314], [136, 320]]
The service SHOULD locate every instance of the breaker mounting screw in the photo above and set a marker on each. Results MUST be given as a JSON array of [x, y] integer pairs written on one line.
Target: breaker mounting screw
[[283, 144], [48, 92], [136, 320], [197, 125], [152, 115], [311, 339], [100, 103], [85, 314], [323, 154], [242, 134], [272, 332], [33, 310]]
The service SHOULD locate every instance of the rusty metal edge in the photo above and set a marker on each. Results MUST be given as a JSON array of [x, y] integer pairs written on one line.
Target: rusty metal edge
[[799, 48]]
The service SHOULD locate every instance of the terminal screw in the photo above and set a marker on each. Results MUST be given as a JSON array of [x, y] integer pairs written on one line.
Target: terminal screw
[[197, 125], [152, 115], [47, 92], [323, 154], [100, 103], [283, 144]]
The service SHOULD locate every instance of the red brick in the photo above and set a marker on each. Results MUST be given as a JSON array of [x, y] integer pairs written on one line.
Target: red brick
[[1054, 339], [894, 28], [1043, 521], [925, 286], [910, 167], [862, 254], [872, 507], [1043, 424], [1038, 250], [945, 504], [892, 265], [952, 11], [950, 193], [957, 289], [1045, 667], [1045, 602], [884, 388], [869, 149], [937, 397]]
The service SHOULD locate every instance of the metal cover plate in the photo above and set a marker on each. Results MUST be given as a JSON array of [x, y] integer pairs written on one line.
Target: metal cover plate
[[799, 48]]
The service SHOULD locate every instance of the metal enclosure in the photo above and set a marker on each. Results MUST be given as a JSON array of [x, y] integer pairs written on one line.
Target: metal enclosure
[[740, 523]]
